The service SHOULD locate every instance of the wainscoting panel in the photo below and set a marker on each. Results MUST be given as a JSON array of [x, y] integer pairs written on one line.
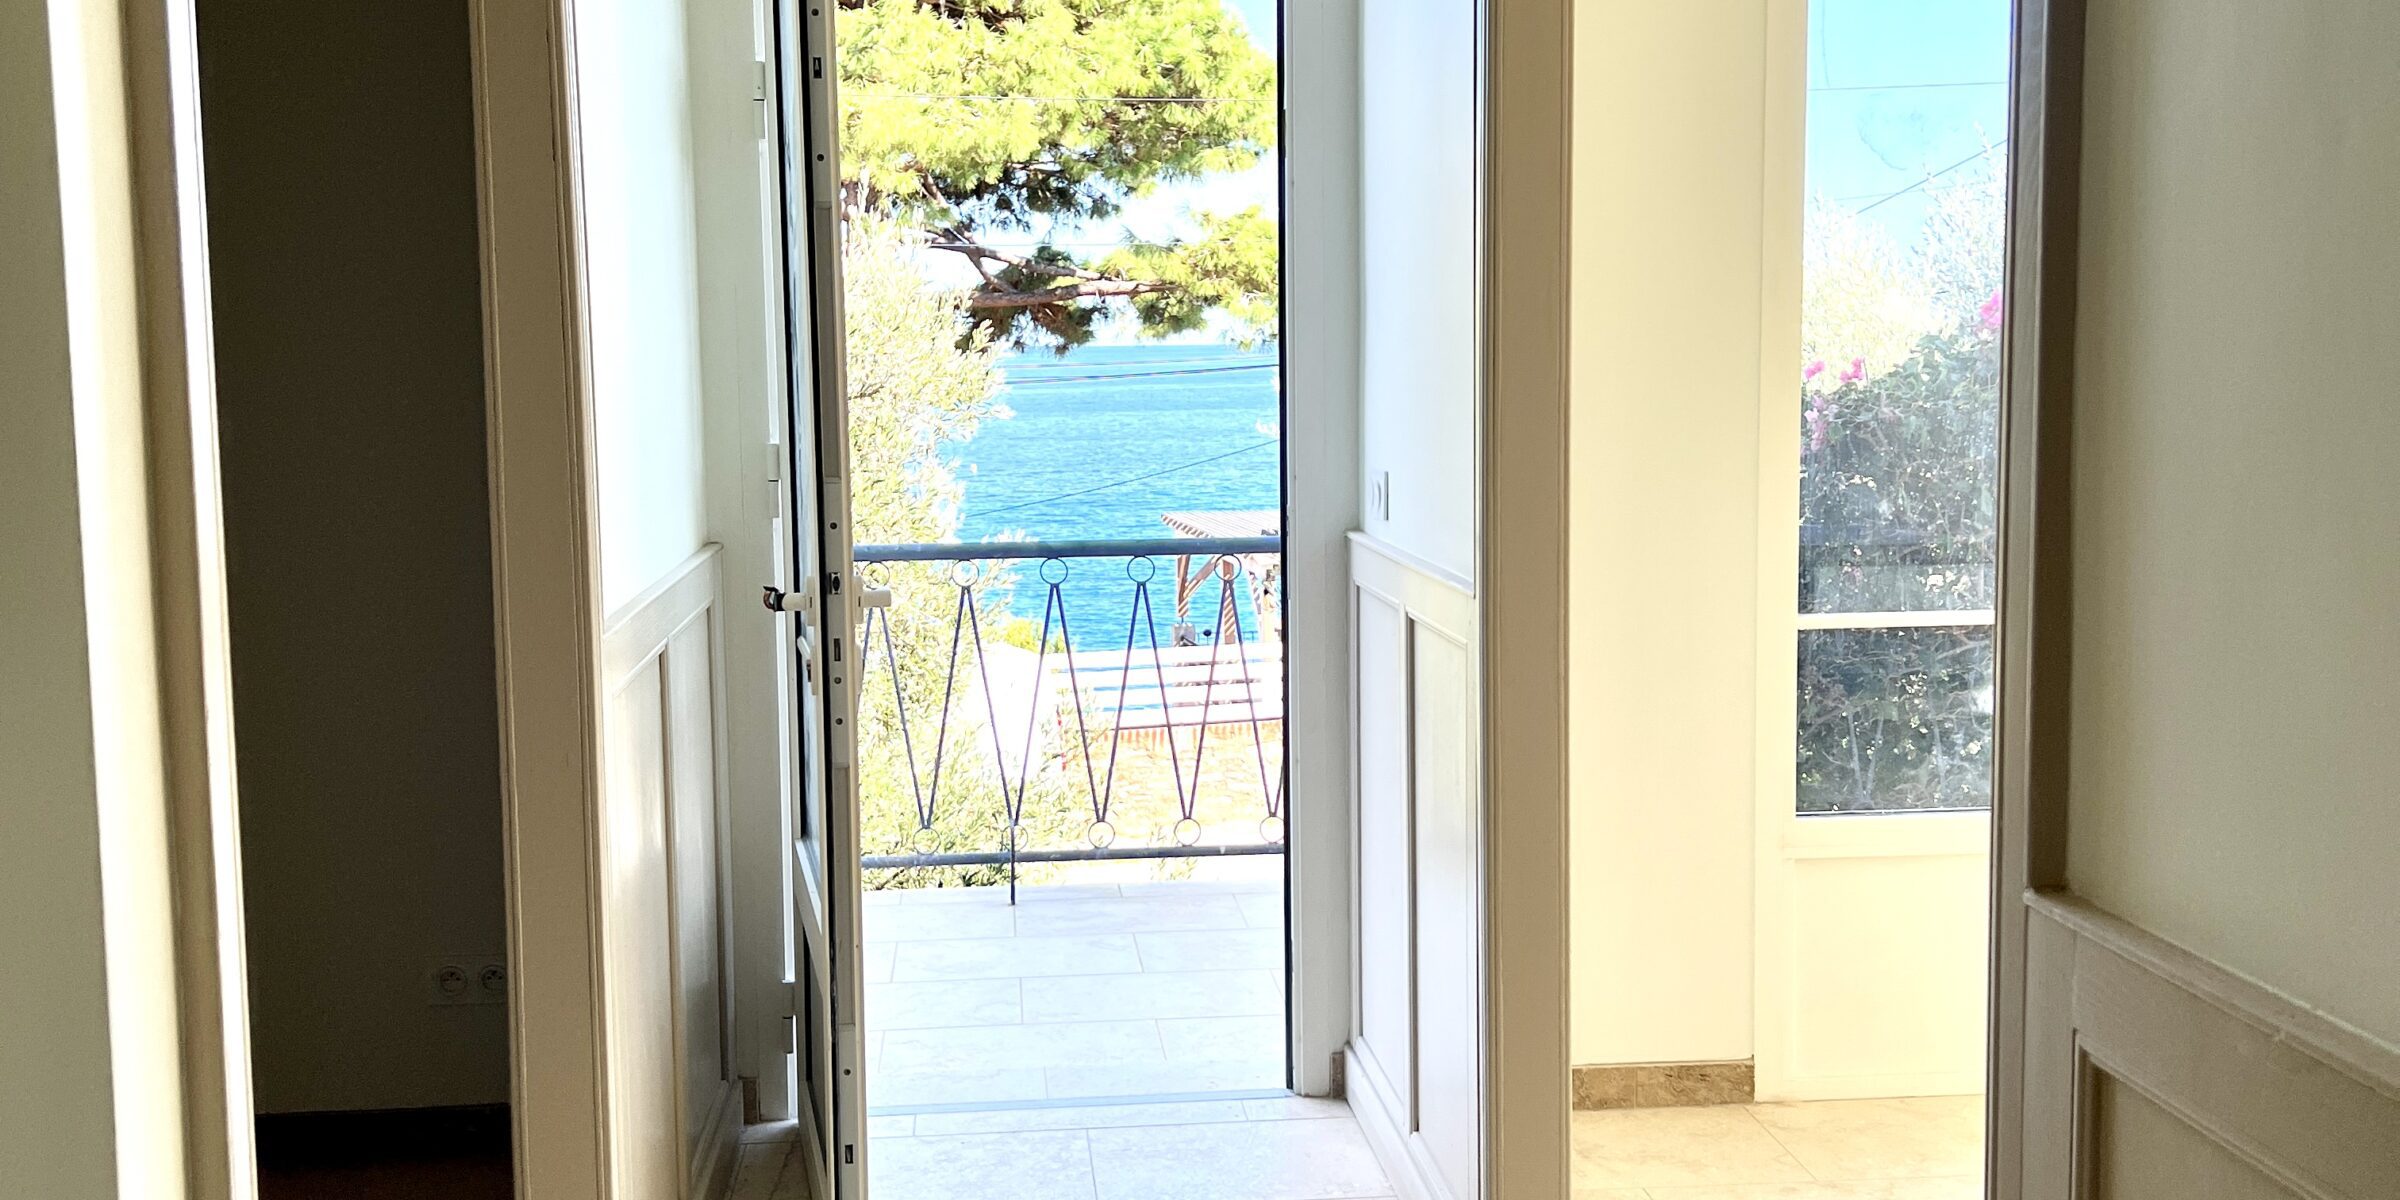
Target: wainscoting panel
[[673, 1102], [1415, 1076], [2152, 1074]]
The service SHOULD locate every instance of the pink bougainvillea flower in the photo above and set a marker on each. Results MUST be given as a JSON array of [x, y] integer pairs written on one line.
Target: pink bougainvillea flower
[[1857, 371], [1991, 311], [1813, 370]]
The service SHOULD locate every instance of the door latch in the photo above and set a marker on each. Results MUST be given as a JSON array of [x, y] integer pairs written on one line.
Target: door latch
[[780, 601]]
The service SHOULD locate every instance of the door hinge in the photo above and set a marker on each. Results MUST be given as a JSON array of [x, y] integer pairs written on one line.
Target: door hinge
[[791, 1016], [758, 97]]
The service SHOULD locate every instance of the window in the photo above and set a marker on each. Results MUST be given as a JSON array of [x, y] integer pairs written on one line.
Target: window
[[1898, 413]]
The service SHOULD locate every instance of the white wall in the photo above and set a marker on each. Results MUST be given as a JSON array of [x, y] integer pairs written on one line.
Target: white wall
[[1663, 521], [1417, 308], [2237, 515], [642, 289]]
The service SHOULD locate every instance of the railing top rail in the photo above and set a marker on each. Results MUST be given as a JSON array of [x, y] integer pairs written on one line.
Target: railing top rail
[[1100, 548]]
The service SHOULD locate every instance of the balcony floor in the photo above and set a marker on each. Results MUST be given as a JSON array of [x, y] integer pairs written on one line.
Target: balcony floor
[[1077, 992]]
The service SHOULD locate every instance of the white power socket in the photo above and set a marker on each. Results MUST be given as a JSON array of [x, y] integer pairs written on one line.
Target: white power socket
[[467, 979]]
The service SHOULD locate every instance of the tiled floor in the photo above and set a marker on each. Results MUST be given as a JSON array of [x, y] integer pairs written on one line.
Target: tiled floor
[[1294, 1149], [1282, 1148], [1927, 1148], [1075, 992]]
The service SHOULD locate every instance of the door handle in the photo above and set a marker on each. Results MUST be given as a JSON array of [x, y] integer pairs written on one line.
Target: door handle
[[874, 597], [800, 604]]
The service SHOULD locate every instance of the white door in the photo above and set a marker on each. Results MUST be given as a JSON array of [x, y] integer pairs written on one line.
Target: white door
[[822, 601]]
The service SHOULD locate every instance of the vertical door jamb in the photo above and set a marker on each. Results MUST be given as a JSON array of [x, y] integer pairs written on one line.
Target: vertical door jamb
[[2029, 801]]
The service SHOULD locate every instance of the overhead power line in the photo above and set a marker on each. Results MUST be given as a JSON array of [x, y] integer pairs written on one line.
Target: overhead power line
[[1936, 175], [1144, 374], [1197, 462]]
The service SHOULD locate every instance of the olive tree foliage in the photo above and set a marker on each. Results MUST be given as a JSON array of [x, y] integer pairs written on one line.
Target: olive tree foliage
[[920, 378], [994, 123], [1899, 504]]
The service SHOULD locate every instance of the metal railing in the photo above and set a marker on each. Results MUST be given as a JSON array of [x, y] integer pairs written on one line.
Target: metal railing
[[1103, 705]]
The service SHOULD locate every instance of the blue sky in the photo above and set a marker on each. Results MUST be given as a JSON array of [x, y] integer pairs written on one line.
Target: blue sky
[[1899, 90]]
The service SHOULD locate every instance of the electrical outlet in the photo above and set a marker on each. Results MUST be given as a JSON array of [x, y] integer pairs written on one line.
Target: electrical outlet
[[466, 979], [449, 982], [491, 981]]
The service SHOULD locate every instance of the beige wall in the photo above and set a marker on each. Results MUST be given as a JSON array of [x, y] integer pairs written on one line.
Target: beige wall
[[55, 1110], [1662, 669], [341, 192], [2237, 492]]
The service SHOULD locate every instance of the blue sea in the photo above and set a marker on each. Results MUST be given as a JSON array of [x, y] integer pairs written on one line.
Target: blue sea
[[1099, 443]]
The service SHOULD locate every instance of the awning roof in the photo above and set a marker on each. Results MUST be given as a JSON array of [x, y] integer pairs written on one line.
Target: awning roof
[[1262, 522]]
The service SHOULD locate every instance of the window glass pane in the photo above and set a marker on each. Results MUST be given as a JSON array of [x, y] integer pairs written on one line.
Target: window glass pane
[[1901, 304], [1895, 719]]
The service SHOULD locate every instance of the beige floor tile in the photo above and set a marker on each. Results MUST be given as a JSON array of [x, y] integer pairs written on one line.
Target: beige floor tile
[[1081, 1116], [896, 1089], [1031, 893], [875, 962], [1609, 1194], [997, 1047], [1146, 914], [1165, 1079], [758, 1169], [1265, 882], [1964, 1188], [1295, 1108], [1881, 1139], [944, 1004], [1212, 950], [1156, 994], [934, 922], [1003, 1166], [770, 1131], [1265, 1160], [1262, 910], [1024, 957], [1222, 1039], [1671, 1147]]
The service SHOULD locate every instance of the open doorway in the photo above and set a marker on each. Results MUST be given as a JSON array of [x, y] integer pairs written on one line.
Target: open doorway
[[1059, 315], [1782, 812]]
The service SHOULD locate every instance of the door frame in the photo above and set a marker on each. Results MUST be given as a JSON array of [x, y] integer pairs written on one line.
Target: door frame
[[1524, 78], [2033, 618], [121, 159], [546, 592]]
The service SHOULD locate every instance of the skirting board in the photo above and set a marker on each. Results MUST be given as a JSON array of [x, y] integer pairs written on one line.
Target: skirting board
[[1663, 1085], [1383, 1118], [712, 1176]]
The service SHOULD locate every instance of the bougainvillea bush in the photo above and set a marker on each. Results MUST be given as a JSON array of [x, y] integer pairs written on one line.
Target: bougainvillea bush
[[1899, 512]]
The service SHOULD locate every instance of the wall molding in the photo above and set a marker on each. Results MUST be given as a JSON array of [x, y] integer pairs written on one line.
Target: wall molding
[[674, 1098], [1417, 1057], [2241, 1074], [1382, 1116]]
